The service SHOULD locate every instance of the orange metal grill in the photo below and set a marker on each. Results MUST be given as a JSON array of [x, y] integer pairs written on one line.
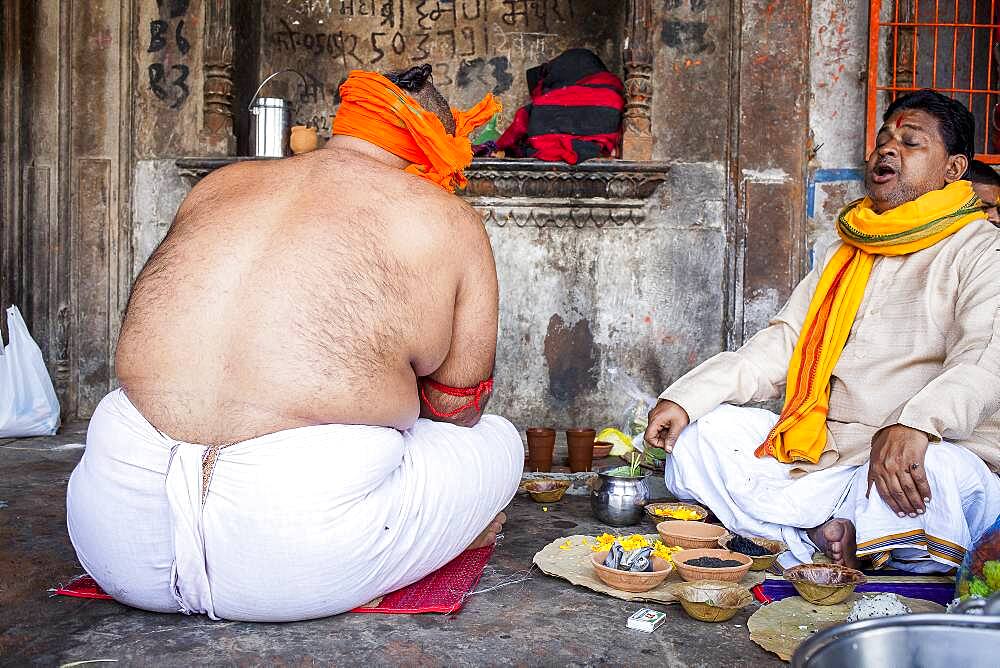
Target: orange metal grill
[[947, 45]]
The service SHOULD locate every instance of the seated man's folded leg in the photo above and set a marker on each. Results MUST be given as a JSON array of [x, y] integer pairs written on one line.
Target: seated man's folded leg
[[116, 511], [317, 521], [453, 483], [965, 500], [713, 462]]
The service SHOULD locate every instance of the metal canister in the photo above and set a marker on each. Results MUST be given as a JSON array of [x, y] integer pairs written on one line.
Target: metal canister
[[270, 122]]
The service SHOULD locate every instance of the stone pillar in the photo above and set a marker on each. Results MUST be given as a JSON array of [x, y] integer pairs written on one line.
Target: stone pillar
[[637, 125], [217, 136]]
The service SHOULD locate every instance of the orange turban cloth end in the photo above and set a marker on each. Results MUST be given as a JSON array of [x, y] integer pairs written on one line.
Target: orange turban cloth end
[[378, 111]]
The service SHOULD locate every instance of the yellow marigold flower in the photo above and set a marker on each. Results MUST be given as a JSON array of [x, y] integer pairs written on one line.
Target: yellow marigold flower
[[604, 542], [676, 514], [633, 542], [663, 552]]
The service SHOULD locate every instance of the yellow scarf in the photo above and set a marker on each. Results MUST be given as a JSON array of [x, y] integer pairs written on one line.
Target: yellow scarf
[[800, 434]]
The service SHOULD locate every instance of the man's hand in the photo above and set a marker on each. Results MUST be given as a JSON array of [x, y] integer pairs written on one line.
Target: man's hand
[[897, 469], [666, 422]]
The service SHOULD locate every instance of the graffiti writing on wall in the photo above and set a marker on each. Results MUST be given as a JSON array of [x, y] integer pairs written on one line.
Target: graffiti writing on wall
[[473, 46], [168, 72]]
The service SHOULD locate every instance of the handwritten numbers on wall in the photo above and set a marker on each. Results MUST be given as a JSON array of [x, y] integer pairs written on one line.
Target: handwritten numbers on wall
[[167, 77]]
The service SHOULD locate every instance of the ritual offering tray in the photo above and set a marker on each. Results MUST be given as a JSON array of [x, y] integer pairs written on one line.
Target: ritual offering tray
[[661, 512], [629, 580], [545, 491], [713, 600], [712, 564], [571, 558], [824, 584], [763, 556], [690, 534]]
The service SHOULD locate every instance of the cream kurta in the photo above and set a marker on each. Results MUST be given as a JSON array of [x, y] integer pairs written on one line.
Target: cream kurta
[[924, 352]]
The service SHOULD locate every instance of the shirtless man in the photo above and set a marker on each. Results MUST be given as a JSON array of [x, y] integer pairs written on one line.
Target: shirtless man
[[291, 302]]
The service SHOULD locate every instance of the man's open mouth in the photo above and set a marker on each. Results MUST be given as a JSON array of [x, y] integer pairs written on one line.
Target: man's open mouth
[[883, 173]]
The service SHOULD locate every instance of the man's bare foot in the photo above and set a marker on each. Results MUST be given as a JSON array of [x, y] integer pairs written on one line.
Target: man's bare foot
[[489, 534], [837, 540]]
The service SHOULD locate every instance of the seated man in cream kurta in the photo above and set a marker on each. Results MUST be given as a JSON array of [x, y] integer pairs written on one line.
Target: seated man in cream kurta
[[888, 354]]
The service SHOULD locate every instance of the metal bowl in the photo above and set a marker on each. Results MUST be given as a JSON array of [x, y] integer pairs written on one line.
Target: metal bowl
[[907, 641]]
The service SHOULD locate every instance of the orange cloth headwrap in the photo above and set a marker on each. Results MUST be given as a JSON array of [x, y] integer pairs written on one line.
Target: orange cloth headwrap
[[376, 110]]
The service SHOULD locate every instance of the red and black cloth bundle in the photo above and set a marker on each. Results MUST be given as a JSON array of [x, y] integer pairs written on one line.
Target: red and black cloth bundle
[[575, 112]]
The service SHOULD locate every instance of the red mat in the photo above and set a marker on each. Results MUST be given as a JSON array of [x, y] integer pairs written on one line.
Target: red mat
[[442, 591]]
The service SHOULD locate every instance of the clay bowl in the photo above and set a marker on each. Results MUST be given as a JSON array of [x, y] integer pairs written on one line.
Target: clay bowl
[[727, 574], [690, 534], [626, 581], [713, 600], [763, 562], [545, 491], [651, 509], [824, 584], [601, 449]]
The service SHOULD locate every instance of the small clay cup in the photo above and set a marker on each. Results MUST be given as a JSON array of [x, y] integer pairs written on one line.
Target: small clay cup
[[541, 444], [303, 139], [580, 443]]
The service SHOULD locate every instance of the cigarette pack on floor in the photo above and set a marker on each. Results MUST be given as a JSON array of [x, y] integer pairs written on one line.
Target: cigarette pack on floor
[[646, 620]]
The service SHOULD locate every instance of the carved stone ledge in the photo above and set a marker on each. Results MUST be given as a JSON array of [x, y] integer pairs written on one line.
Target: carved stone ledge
[[522, 193], [610, 179], [560, 213], [195, 169]]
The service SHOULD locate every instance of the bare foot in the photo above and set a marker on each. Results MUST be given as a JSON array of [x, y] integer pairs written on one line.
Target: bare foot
[[489, 534], [836, 539]]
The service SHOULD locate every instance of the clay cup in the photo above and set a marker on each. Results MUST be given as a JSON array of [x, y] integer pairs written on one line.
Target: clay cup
[[541, 444], [580, 443]]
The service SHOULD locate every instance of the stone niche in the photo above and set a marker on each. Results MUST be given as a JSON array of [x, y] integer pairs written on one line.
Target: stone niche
[[474, 46]]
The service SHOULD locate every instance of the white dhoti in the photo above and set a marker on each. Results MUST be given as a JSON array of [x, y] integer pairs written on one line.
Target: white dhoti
[[295, 525], [713, 462]]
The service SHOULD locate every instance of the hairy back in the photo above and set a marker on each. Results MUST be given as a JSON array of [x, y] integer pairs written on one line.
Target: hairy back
[[303, 291]]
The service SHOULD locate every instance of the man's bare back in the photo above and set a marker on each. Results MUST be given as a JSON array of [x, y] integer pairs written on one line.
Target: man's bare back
[[311, 290]]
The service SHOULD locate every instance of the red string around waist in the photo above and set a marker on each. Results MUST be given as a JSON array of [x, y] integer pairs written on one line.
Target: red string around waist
[[475, 392]]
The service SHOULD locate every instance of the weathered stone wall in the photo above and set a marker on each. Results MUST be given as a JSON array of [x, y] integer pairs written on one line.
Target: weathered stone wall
[[838, 80], [652, 298], [576, 301]]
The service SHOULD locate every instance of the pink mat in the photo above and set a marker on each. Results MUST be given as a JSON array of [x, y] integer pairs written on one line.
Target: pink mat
[[442, 591]]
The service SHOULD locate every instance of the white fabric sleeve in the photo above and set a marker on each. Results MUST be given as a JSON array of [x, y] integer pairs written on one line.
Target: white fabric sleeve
[[967, 391]]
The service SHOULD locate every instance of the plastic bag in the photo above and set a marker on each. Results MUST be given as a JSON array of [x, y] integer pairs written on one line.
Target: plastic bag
[[979, 575], [28, 402], [635, 417]]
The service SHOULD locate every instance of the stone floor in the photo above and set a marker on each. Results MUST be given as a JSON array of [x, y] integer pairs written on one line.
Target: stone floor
[[541, 621]]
